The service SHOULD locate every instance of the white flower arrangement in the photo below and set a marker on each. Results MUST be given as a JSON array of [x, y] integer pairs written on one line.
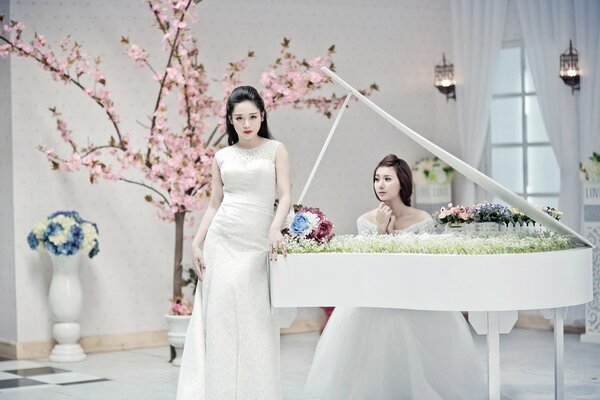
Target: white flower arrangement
[[466, 243], [432, 170], [589, 170]]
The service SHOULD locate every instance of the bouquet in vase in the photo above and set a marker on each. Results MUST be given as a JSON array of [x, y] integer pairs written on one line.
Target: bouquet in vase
[[432, 170], [589, 170], [65, 233]]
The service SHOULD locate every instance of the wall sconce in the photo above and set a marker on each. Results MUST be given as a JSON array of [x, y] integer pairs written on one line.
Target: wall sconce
[[569, 68], [444, 79]]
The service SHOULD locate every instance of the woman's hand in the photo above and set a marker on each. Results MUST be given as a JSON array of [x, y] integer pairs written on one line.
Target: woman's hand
[[390, 227], [198, 261], [383, 217], [276, 244]]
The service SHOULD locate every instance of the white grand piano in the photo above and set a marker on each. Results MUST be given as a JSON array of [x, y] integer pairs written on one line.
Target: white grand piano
[[492, 288]]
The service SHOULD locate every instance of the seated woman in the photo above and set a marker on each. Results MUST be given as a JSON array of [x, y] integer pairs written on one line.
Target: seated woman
[[393, 354]]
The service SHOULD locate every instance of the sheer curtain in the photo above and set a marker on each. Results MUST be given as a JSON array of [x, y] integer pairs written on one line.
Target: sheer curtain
[[572, 122], [547, 26], [587, 42], [477, 32]]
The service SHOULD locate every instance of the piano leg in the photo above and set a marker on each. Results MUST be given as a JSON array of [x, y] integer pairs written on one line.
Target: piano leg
[[493, 342], [492, 324], [558, 315]]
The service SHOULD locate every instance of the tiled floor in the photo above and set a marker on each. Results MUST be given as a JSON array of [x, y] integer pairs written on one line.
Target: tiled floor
[[144, 374]]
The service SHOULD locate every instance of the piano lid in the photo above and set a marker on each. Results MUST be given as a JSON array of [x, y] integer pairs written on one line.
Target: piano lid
[[468, 171]]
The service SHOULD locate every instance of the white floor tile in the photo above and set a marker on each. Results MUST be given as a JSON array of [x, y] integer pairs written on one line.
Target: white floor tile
[[4, 375]]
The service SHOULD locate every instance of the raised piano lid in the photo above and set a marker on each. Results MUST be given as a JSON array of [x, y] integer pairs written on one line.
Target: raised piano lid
[[468, 171]]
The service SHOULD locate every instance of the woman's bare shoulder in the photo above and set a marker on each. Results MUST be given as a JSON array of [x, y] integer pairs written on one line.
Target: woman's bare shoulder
[[369, 216]]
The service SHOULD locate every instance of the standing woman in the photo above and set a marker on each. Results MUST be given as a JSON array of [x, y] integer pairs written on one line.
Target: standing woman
[[230, 350]]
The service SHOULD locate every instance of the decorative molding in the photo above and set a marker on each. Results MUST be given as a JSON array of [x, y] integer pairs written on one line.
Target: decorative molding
[[303, 325], [591, 227], [90, 344]]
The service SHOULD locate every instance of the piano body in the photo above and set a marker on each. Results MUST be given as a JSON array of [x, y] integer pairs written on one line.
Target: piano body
[[492, 288]]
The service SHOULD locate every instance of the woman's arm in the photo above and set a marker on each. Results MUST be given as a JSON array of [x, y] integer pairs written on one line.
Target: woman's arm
[[216, 197], [284, 190]]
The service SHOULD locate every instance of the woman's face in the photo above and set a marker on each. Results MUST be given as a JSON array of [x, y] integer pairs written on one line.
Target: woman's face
[[386, 183], [246, 118]]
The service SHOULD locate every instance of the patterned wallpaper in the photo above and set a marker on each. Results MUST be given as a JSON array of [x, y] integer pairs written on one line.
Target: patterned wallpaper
[[126, 288], [8, 308]]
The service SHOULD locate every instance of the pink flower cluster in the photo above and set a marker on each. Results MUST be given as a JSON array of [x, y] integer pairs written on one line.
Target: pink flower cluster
[[454, 214], [181, 307], [175, 161]]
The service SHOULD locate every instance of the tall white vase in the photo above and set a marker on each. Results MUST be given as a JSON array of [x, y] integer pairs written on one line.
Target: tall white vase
[[65, 299]]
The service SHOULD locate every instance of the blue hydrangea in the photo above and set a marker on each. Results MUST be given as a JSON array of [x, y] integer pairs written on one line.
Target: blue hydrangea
[[74, 238], [300, 224], [72, 214], [33, 241]]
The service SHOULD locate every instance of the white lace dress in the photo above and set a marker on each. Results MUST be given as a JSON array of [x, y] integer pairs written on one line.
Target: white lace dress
[[230, 349], [392, 354]]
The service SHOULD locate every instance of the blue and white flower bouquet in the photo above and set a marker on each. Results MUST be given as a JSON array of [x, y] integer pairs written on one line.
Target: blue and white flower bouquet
[[65, 233]]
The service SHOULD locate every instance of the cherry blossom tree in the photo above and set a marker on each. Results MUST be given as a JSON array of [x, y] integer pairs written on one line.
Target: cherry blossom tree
[[175, 162]]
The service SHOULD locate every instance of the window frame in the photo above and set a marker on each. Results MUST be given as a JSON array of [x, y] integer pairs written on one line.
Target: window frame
[[524, 144]]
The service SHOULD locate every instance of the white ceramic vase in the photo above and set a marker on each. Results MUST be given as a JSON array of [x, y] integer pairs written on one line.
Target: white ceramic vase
[[177, 330], [65, 300]]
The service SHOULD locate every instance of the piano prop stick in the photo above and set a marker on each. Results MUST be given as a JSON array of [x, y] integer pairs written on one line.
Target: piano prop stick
[[491, 287]]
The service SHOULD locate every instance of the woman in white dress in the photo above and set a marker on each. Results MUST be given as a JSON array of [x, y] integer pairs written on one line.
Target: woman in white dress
[[392, 354], [230, 350]]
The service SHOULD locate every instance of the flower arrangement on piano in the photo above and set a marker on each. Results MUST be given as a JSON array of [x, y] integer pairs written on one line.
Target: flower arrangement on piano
[[65, 233], [589, 170], [308, 223], [410, 243], [491, 212], [432, 170], [553, 212], [454, 215]]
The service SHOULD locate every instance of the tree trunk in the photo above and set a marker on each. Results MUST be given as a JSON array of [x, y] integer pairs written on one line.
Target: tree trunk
[[177, 268]]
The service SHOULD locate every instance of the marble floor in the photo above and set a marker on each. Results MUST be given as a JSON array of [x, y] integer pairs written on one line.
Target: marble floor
[[145, 374]]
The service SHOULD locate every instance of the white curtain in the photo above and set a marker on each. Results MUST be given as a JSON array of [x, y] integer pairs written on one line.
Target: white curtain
[[547, 27], [477, 32], [587, 42], [572, 121]]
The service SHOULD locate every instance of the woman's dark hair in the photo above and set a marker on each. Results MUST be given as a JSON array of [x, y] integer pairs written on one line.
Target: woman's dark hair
[[403, 173], [239, 95]]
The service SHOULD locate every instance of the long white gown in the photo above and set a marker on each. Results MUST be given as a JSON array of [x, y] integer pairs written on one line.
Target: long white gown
[[230, 350], [393, 354]]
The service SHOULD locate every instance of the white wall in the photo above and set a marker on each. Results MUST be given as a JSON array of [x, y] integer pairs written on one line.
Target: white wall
[[127, 286], [8, 309]]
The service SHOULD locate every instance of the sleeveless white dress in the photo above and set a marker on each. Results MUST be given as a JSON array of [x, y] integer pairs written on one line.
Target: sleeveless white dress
[[393, 354], [230, 350]]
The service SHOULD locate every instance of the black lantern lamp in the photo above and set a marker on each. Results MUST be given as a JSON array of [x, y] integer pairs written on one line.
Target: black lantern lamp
[[444, 79], [569, 68]]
